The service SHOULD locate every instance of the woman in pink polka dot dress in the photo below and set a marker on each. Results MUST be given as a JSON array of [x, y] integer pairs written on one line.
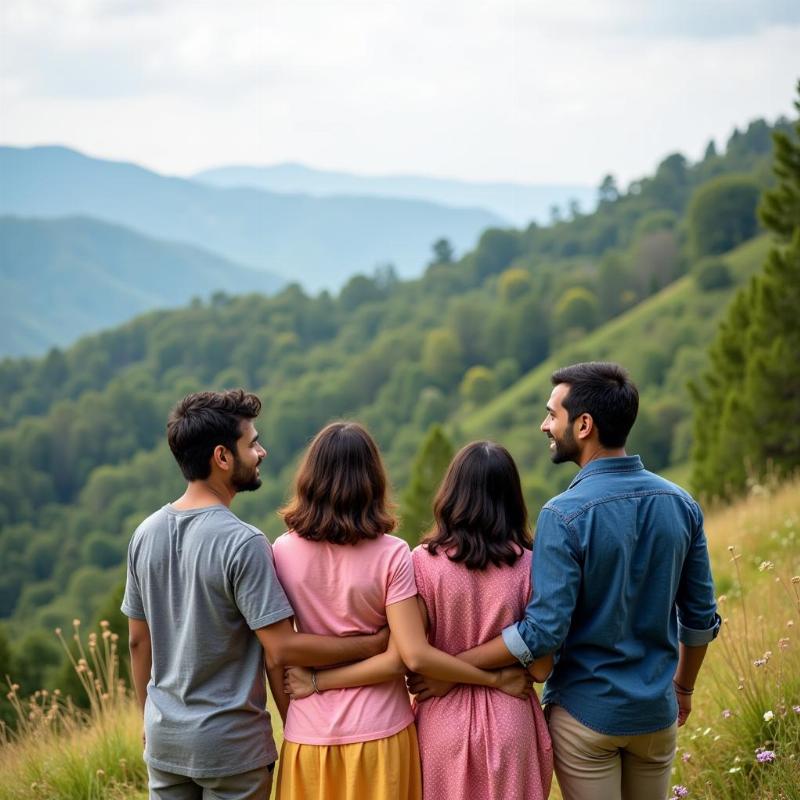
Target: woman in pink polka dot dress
[[473, 575]]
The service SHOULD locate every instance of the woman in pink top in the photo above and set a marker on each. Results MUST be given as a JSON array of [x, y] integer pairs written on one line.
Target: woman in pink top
[[345, 575], [473, 575]]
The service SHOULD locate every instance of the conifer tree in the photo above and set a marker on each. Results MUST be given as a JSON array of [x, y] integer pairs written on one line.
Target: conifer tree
[[780, 206], [747, 414], [430, 464]]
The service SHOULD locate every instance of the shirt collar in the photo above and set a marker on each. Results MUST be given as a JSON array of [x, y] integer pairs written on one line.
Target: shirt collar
[[617, 464]]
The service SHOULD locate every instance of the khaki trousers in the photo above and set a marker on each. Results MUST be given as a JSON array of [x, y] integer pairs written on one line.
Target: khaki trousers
[[597, 766]]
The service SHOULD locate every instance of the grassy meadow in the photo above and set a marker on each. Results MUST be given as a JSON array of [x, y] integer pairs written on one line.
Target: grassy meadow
[[742, 739]]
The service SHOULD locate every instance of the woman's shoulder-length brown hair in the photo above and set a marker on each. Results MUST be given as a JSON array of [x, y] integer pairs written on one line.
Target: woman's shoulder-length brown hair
[[340, 493], [480, 517]]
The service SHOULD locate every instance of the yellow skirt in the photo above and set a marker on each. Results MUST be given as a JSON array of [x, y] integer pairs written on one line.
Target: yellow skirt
[[383, 769]]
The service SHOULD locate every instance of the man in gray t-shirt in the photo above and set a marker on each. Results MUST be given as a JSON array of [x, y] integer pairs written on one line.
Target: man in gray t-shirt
[[204, 606]]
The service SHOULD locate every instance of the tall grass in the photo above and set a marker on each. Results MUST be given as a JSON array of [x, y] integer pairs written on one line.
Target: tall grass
[[61, 752], [743, 737]]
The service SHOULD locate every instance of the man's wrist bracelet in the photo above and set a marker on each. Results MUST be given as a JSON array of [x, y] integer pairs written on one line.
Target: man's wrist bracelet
[[314, 681], [681, 689]]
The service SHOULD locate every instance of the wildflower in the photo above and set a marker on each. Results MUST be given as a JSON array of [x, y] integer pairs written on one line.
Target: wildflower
[[783, 643], [686, 758], [678, 791], [726, 713], [796, 579], [796, 709], [768, 716], [765, 756], [58, 631], [76, 623], [104, 623], [765, 565], [759, 662]]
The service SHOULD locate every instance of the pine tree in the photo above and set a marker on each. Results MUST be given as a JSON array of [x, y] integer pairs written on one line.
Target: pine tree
[[780, 207], [430, 464], [747, 414]]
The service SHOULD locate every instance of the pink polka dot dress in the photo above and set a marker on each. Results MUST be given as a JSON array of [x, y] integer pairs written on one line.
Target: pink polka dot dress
[[478, 743]]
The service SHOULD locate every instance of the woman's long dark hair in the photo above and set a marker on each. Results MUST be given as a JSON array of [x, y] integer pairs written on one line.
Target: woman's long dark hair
[[479, 511], [340, 488]]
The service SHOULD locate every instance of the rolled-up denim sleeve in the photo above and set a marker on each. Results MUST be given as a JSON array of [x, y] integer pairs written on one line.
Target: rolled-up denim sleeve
[[556, 577], [698, 621]]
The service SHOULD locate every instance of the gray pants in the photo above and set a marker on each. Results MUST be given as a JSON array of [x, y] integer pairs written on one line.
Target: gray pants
[[598, 766], [253, 785]]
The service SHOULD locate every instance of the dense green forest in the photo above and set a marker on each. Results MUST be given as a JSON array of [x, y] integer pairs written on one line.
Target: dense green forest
[[644, 280]]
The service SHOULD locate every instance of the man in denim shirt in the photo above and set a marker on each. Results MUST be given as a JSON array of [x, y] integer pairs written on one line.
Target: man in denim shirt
[[622, 593]]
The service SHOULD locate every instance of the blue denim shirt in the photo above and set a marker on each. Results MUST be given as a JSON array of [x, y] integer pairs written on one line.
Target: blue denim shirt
[[620, 575]]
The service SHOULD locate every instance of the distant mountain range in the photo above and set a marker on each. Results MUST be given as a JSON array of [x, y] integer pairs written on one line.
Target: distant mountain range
[[519, 203], [60, 279], [317, 241]]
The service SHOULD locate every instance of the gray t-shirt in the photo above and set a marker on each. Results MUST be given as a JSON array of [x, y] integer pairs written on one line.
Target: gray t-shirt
[[204, 581]]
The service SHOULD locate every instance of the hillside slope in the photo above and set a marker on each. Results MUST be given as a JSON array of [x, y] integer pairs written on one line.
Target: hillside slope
[[60, 279], [662, 342]]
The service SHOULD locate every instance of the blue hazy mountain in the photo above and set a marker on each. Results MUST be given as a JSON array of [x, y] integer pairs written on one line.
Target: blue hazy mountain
[[318, 241], [517, 202], [63, 278]]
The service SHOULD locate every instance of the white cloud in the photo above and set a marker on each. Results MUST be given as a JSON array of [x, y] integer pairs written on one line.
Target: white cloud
[[515, 89]]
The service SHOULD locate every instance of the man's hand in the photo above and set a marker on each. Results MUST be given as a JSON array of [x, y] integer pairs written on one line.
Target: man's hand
[[515, 681], [684, 707], [380, 640], [297, 682], [425, 688]]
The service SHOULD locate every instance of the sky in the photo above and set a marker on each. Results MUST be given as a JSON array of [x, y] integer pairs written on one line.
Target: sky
[[513, 90]]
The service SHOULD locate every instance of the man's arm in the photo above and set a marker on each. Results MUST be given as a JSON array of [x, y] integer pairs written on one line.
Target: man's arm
[[284, 646], [141, 650], [275, 677], [690, 660], [556, 577], [698, 621]]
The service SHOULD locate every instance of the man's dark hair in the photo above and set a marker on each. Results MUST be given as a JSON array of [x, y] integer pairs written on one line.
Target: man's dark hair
[[340, 493], [480, 512], [604, 391], [203, 420]]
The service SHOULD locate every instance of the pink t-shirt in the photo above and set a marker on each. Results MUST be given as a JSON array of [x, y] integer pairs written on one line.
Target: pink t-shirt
[[340, 589]]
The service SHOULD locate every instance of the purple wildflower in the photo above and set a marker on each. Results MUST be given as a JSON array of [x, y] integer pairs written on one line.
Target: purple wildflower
[[679, 791], [726, 713], [764, 756]]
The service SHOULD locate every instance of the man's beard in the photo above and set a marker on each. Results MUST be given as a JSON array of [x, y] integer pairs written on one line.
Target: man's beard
[[244, 479], [566, 448]]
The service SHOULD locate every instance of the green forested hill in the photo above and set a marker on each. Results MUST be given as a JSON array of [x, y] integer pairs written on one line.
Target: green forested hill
[[470, 345], [61, 279], [663, 341]]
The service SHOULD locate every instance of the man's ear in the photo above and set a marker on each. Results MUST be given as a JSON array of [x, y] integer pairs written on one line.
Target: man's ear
[[222, 458], [585, 426]]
